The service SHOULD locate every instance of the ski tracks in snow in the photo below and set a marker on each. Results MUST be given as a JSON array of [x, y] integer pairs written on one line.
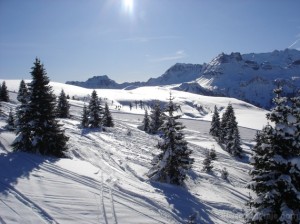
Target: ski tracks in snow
[[37, 210]]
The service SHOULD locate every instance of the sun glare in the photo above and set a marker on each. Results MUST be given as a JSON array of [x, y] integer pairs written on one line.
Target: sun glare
[[128, 5]]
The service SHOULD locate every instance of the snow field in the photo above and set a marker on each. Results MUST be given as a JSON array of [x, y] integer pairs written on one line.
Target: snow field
[[104, 179]]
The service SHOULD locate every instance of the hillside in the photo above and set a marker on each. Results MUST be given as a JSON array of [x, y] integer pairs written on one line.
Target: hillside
[[104, 179]]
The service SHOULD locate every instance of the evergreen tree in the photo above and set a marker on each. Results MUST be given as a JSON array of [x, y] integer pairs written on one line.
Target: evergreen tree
[[232, 138], [146, 122], [11, 121], [85, 117], [23, 130], [45, 137], [215, 124], [63, 106], [207, 162], [156, 118], [224, 122], [4, 92], [276, 172], [213, 154], [224, 173], [173, 163], [22, 96], [107, 119], [95, 111]]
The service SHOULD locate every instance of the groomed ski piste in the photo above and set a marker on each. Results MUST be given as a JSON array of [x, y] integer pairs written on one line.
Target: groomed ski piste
[[104, 179]]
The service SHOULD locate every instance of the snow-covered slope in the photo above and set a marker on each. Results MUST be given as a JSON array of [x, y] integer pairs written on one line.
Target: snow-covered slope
[[104, 179]]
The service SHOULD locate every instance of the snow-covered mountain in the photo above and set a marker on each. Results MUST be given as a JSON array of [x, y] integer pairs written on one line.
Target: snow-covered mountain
[[104, 179], [178, 73], [249, 77]]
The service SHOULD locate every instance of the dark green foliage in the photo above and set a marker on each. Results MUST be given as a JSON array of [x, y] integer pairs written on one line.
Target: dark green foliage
[[85, 117], [215, 124], [43, 134], [207, 162], [146, 122], [23, 130], [276, 172], [63, 106], [213, 154], [156, 118], [173, 163], [11, 121], [95, 111], [4, 92], [229, 132], [107, 119]]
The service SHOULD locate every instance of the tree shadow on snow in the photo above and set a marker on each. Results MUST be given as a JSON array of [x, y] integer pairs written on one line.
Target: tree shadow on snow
[[184, 203], [16, 165]]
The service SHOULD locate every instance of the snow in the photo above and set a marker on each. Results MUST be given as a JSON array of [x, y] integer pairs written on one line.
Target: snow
[[104, 179]]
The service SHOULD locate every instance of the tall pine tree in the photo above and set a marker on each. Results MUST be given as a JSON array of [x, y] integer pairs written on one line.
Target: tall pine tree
[[276, 167], [63, 106], [85, 117], [107, 119], [46, 136], [156, 118], [95, 111], [146, 122], [174, 161], [23, 142], [4, 92], [215, 124], [232, 138]]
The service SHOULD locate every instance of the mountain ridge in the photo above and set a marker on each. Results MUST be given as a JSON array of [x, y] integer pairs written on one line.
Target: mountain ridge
[[249, 77]]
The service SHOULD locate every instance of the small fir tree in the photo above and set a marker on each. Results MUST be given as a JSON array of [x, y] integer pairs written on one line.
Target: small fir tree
[[207, 162], [213, 154], [95, 111], [85, 117], [215, 124], [146, 122], [173, 163], [224, 173], [276, 172], [107, 119], [63, 106], [4, 92], [43, 134], [156, 118], [11, 121]]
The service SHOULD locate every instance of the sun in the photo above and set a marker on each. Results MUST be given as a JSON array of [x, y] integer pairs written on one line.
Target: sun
[[128, 5]]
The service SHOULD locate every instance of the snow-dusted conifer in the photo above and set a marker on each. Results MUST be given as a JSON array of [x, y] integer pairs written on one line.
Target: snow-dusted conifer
[[173, 163], [11, 121], [215, 124], [146, 122], [224, 122], [276, 172], [224, 173], [4, 92], [43, 134], [23, 142], [107, 119], [207, 162], [232, 138], [156, 118], [63, 106], [95, 111], [85, 117]]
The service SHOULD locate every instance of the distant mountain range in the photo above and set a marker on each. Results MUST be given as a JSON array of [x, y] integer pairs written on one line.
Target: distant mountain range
[[249, 77]]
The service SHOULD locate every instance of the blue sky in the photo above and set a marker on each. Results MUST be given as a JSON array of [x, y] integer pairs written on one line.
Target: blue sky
[[133, 40]]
